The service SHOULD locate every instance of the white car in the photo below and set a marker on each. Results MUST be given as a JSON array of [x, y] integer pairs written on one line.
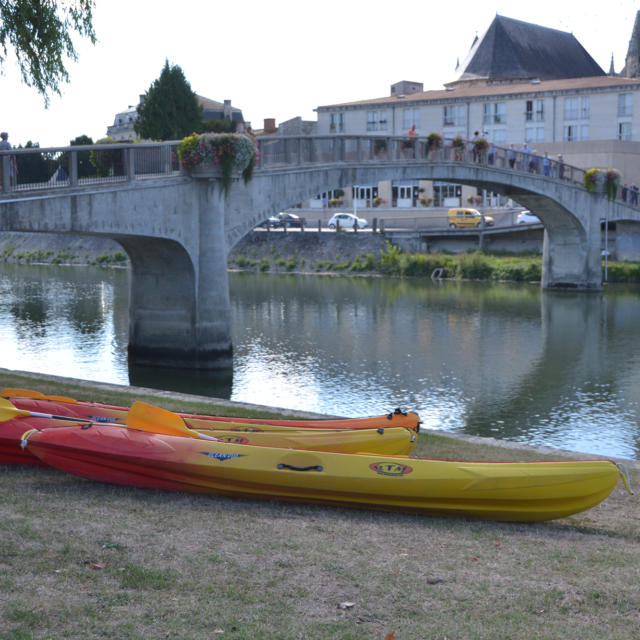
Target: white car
[[526, 217], [346, 221]]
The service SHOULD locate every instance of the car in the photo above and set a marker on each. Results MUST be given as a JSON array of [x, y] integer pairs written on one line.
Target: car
[[526, 217], [271, 221], [288, 220], [461, 217], [346, 221]]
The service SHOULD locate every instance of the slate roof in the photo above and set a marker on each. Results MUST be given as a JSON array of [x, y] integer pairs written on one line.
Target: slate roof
[[516, 50]]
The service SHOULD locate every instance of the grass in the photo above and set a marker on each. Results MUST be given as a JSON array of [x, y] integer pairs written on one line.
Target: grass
[[82, 560]]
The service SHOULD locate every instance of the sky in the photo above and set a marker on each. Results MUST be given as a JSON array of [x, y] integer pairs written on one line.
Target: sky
[[281, 58]]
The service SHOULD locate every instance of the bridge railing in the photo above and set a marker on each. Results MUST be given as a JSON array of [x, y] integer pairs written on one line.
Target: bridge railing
[[34, 168], [50, 168], [286, 151]]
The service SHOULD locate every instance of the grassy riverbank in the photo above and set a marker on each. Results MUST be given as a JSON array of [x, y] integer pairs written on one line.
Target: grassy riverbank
[[279, 254], [81, 560]]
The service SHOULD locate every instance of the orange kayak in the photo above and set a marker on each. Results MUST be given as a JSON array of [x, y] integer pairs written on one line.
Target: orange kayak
[[99, 412]]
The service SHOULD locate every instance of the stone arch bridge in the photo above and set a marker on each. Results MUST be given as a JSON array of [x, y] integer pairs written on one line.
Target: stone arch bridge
[[178, 229]]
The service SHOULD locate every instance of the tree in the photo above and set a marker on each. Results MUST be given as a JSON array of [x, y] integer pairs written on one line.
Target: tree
[[170, 109], [39, 31], [33, 167], [85, 168], [219, 126]]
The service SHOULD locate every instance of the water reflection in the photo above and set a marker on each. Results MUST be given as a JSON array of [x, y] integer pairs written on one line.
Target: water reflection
[[489, 359]]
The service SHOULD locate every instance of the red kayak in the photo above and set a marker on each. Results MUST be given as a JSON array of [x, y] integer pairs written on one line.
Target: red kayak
[[99, 412]]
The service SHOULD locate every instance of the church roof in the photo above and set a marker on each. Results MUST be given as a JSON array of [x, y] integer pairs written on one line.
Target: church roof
[[515, 50]]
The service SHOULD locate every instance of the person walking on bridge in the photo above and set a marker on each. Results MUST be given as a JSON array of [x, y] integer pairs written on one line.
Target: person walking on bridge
[[5, 145]]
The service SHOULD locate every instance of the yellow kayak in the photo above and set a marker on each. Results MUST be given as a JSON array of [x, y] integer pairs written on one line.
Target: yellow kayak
[[515, 491]]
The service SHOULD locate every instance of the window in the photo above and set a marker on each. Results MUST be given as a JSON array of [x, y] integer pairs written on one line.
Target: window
[[534, 110], [494, 113], [625, 100], [534, 134], [410, 117], [624, 131], [376, 120], [455, 115], [571, 108], [575, 132], [576, 108], [336, 122]]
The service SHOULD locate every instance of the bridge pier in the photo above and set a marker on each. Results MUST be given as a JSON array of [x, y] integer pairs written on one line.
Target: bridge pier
[[180, 311], [569, 262]]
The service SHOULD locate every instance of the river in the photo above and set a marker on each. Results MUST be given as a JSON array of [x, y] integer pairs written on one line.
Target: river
[[500, 360]]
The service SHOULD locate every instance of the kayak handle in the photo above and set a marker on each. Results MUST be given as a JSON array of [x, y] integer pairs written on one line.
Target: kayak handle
[[312, 467]]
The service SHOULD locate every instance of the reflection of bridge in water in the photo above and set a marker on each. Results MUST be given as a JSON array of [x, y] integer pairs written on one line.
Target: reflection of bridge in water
[[178, 229]]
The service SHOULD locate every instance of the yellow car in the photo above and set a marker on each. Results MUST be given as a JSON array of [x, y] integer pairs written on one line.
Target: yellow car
[[461, 217]]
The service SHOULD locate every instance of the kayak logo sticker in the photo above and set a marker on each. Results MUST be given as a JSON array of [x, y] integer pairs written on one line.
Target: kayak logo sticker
[[234, 439], [390, 468], [222, 456], [247, 429], [102, 419]]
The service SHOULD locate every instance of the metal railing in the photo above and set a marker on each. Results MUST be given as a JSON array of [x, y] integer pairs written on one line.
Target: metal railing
[[51, 168], [309, 150]]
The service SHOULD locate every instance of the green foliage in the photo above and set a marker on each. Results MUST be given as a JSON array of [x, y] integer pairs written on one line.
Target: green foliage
[[40, 34], [170, 109], [219, 126], [474, 266], [85, 168], [34, 167], [623, 271], [390, 260], [109, 162]]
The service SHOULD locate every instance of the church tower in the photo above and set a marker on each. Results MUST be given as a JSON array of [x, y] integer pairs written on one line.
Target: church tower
[[632, 64]]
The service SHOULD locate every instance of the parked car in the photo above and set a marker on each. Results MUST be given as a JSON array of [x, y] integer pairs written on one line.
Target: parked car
[[288, 220], [346, 221], [461, 217], [272, 221], [283, 219], [526, 217]]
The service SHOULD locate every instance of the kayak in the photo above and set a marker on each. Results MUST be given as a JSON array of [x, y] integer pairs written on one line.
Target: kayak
[[508, 491], [389, 441], [99, 412]]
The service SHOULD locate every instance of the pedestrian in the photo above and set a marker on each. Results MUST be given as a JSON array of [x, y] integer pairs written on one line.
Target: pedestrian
[[525, 154], [512, 156], [413, 136], [634, 195], [546, 164], [474, 148], [491, 155], [5, 145], [560, 167], [623, 192]]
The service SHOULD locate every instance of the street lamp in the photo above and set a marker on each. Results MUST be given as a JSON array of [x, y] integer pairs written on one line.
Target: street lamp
[[605, 251]]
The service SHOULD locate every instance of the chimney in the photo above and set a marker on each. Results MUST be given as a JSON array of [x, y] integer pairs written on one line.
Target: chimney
[[270, 125], [227, 110]]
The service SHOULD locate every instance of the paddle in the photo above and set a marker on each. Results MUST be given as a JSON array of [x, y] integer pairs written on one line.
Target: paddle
[[146, 417], [141, 416], [9, 392]]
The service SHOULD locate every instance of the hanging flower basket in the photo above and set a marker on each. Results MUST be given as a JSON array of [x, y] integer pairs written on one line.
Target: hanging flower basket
[[612, 183], [457, 143], [481, 144], [434, 141], [219, 155]]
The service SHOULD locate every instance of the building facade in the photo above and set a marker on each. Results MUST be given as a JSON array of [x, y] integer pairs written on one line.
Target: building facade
[[520, 83]]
